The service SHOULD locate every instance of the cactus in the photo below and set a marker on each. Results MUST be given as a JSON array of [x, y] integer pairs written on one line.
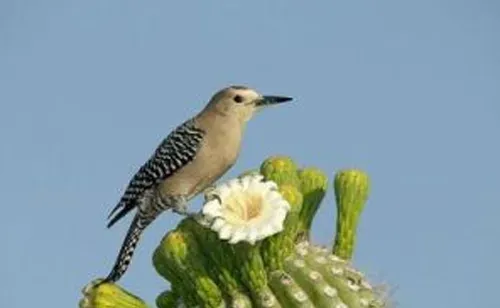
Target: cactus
[[170, 299], [284, 269], [180, 260], [108, 295], [280, 169], [313, 185], [275, 248], [351, 193]]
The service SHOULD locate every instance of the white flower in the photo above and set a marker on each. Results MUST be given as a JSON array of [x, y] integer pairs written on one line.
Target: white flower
[[246, 209]]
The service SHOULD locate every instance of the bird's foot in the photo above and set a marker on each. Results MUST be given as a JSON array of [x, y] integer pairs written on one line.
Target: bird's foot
[[210, 194], [181, 208]]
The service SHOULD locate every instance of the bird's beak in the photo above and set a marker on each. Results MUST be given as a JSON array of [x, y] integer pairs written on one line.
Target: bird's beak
[[272, 100]]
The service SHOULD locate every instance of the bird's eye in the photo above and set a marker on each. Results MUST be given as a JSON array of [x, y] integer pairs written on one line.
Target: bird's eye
[[238, 98]]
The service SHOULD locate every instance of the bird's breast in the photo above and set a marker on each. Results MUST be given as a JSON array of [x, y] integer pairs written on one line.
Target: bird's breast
[[217, 154]]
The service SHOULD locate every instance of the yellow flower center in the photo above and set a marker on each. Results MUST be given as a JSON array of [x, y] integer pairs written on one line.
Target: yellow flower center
[[243, 207], [253, 208]]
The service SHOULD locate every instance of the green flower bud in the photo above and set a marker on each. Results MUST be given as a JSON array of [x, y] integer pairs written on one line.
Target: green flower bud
[[313, 185], [280, 169], [108, 295], [351, 193]]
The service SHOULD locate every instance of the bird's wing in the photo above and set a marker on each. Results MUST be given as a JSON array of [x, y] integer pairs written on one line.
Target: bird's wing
[[178, 149]]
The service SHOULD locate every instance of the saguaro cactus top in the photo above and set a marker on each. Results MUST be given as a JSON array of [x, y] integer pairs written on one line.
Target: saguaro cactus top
[[250, 246]]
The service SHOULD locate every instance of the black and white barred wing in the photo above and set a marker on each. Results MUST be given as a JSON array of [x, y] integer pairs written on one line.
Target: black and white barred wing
[[177, 150]]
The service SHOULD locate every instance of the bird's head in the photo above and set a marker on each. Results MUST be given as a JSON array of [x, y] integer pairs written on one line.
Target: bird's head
[[242, 102]]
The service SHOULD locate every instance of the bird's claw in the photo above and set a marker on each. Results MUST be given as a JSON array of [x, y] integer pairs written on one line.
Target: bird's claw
[[210, 194]]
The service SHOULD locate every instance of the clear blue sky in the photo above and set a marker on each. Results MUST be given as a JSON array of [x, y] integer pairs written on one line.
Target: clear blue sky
[[408, 91]]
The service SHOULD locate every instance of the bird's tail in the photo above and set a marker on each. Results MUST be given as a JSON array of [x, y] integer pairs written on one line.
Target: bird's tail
[[128, 247]]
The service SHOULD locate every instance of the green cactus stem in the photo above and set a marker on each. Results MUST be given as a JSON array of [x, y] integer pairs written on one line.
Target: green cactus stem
[[240, 301], [288, 292], [108, 295], [179, 259], [313, 185], [168, 299], [351, 193], [353, 289], [236, 267], [313, 283], [277, 247], [253, 274], [220, 254]]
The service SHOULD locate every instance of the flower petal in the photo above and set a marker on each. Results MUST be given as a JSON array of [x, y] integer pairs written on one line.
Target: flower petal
[[223, 191], [245, 182], [238, 235], [252, 235], [267, 230], [270, 185], [234, 184], [218, 224], [225, 232], [212, 208]]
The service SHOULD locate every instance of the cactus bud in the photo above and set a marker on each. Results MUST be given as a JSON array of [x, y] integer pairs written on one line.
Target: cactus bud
[[313, 185], [281, 170], [351, 193], [108, 295]]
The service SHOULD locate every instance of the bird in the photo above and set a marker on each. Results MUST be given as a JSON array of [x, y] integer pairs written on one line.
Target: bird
[[186, 163]]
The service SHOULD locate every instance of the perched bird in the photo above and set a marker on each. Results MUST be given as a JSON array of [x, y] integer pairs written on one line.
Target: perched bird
[[188, 161]]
